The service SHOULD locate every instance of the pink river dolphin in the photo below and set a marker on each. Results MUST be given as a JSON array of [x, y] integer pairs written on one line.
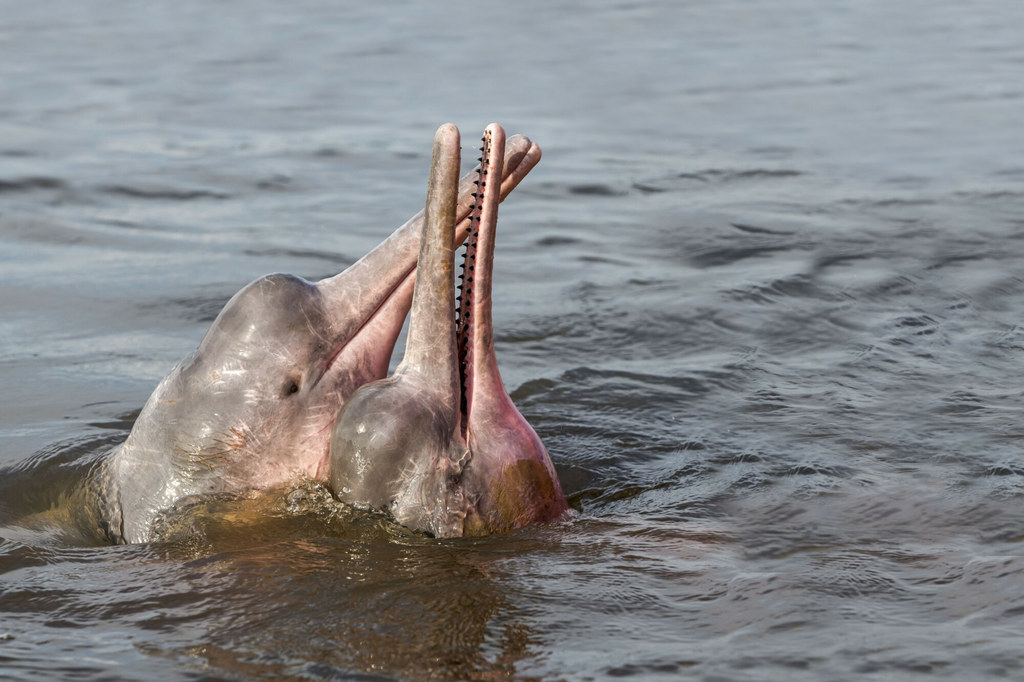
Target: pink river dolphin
[[290, 378]]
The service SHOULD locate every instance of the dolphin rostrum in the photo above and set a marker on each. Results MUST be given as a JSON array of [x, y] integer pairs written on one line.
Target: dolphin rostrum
[[439, 446]]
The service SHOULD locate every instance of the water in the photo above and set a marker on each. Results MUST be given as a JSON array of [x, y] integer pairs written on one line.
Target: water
[[761, 299]]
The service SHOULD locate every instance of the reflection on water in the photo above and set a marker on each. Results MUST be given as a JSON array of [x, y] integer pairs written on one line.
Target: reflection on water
[[761, 299], [384, 602]]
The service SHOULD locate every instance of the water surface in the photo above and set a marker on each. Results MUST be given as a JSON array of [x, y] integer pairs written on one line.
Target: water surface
[[761, 299]]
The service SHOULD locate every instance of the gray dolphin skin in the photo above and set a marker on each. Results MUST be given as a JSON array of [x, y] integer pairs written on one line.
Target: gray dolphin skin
[[439, 446], [253, 407]]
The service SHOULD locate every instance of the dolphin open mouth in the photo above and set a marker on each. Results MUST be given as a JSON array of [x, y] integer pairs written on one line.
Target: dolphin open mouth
[[388, 272], [474, 288]]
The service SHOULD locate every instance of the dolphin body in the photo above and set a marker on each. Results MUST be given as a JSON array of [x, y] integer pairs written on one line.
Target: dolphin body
[[439, 446], [254, 405]]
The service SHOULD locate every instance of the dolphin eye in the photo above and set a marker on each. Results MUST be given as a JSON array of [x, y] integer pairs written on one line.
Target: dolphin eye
[[291, 387]]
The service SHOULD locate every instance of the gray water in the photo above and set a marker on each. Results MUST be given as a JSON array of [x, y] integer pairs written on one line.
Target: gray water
[[762, 300]]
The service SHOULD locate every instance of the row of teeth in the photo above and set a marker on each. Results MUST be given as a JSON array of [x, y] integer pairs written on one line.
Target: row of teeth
[[464, 298]]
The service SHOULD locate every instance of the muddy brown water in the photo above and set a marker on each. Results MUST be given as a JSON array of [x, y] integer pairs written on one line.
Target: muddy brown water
[[762, 300]]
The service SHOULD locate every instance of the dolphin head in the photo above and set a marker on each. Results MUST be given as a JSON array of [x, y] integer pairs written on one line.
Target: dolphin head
[[254, 405], [439, 445]]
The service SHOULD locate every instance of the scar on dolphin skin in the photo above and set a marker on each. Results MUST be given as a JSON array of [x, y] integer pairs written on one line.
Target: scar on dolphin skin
[[439, 446], [254, 406]]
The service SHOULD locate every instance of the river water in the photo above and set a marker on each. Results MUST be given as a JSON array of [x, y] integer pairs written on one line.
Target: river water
[[762, 299]]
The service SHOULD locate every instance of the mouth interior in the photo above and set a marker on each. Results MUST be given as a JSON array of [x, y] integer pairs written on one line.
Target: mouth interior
[[464, 297]]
